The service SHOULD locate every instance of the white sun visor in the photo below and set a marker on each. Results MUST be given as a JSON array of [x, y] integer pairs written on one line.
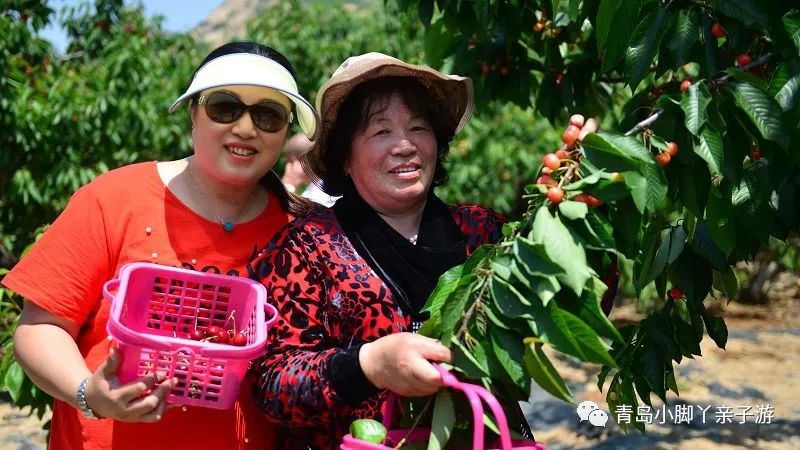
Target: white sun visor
[[252, 70]]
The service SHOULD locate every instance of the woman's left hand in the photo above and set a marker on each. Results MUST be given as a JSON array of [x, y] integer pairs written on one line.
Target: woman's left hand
[[401, 363]]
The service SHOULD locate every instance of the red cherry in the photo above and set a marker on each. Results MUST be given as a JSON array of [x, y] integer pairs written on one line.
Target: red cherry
[[577, 120], [212, 331], [239, 339], [546, 179], [23, 17], [743, 59], [685, 84], [570, 135], [756, 155], [663, 159], [593, 201], [551, 161], [562, 154], [672, 149], [503, 70], [197, 335], [555, 195], [559, 78], [657, 93], [675, 293], [103, 25], [581, 198], [221, 336], [485, 69], [538, 27], [718, 31], [546, 171]]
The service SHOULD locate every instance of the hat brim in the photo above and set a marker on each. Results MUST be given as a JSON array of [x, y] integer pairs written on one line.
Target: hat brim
[[245, 69], [453, 94]]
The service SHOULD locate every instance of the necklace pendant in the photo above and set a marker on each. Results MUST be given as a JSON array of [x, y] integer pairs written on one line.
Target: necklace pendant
[[227, 226]]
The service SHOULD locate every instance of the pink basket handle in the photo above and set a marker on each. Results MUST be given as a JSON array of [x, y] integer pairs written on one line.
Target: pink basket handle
[[474, 394], [270, 314], [108, 287]]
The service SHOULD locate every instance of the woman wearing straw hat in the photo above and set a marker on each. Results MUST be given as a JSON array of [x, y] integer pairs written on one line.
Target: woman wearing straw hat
[[349, 282], [210, 212]]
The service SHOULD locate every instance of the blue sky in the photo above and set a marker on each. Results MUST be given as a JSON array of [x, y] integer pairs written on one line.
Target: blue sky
[[180, 15]]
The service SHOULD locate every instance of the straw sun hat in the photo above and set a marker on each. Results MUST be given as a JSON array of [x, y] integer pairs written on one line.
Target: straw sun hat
[[451, 93]]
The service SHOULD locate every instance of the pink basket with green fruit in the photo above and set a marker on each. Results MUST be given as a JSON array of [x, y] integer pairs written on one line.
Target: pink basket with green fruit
[[200, 328], [476, 395]]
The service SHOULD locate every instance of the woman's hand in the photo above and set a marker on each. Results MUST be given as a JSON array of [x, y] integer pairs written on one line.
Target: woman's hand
[[400, 362], [140, 401]]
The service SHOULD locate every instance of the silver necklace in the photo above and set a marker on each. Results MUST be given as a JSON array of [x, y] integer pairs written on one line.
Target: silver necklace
[[227, 225]]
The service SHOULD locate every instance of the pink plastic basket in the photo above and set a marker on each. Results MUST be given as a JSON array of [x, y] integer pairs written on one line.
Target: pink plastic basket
[[475, 394], [155, 307]]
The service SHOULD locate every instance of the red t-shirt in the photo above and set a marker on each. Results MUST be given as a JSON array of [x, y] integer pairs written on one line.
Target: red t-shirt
[[123, 216]]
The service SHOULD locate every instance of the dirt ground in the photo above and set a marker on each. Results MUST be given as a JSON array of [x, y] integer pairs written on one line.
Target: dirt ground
[[759, 367]]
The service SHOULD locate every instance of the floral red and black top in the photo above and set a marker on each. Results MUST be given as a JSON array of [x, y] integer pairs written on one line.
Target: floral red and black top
[[329, 300]]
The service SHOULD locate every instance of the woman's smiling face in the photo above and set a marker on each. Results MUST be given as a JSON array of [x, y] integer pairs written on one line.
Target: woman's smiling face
[[393, 158], [237, 153]]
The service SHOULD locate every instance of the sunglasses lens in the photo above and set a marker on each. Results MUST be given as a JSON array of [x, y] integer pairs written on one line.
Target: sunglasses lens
[[224, 108], [270, 117]]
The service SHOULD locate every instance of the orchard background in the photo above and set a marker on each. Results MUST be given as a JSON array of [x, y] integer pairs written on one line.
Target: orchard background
[[694, 178]]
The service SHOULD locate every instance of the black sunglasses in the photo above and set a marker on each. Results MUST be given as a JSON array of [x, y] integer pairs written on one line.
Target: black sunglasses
[[224, 107]]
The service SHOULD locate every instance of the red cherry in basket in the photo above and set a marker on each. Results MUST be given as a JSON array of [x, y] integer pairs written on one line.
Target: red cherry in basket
[[221, 337], [197, 335], [239, 339]]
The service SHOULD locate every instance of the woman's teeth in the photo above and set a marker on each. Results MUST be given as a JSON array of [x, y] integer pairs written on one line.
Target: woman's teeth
[[406, 170], [241, 151]]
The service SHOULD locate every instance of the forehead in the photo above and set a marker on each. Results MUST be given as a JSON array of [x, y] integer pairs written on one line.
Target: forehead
[[253, 94], [379, 106]]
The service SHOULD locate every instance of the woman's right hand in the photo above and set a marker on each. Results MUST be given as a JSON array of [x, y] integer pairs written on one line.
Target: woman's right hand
[[401, 363], [139, 401]]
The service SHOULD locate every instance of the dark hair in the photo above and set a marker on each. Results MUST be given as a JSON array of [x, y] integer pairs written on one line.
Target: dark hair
[[294, 204], [353, 116]]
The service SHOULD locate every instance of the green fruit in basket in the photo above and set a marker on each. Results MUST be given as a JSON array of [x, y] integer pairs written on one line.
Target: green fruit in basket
[[368, 430]]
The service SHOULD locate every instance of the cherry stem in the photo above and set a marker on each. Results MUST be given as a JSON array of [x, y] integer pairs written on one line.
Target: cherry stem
[[403, 441], [233, 312]]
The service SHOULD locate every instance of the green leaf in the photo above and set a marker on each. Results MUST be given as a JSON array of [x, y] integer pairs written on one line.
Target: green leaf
[[587, 308], [444, 287], [13, 380], [602, 153], [791, 22], [573, 210], [510, 302], [685, 32], [719, 221], [444, 418], [629, 146], [693, 276], [561, 249], [455, 305], [544, 374], [509, 351], [669, 250], [648, 187], [605, 16], [709, 146], [644, 45], [472, 363], [764, 111], [727, 281], [705, 246], [627, 226], [653, 370], [623, 25], [745, 11], [534, 258], [439, 43], [787, 96], [687, 341], [694, 103], [717, 329]]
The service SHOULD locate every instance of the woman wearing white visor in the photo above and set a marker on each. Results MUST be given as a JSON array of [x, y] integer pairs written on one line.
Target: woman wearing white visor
[[209, 212]]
